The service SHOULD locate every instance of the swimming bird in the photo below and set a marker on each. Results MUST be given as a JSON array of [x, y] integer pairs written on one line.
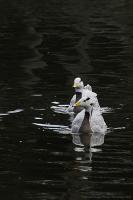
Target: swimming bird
[[80, 91], [90, 119]]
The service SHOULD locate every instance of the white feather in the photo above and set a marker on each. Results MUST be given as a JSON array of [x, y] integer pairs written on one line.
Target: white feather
[[97, 122], [77, 122], [72, 102], [88, 87]]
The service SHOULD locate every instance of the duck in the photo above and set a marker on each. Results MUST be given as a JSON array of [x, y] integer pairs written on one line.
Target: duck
[[80, 91], [89, 120]]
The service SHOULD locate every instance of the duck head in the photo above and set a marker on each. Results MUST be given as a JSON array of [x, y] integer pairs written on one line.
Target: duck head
[[85, 102], [78, 83]]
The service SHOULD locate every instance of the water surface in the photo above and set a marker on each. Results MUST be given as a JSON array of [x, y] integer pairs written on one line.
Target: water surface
[[43, 46]]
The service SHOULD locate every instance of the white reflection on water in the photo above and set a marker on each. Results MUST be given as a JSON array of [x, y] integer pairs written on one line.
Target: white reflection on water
[[83, 159], [41, 109], [3, 114], [12, 112], [106, 110], [60, 109], [55, 102], [39, 118], [95, 139], [119, 128], [56, 128], [36, 95], [91, 140], [15, 111]]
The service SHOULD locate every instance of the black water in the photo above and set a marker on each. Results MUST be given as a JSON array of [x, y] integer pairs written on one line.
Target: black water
[[43, 46]]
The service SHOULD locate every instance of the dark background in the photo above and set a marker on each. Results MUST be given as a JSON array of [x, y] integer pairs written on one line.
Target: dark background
[[43, 46]]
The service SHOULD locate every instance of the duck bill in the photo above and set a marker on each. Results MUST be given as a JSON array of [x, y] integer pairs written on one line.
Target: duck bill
[[77, 104], [75, 85]]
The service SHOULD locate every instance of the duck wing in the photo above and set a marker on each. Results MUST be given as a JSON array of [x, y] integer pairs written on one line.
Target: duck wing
[[97, 122], [72, 102], [77, 122], [88, 93], [88, 87]]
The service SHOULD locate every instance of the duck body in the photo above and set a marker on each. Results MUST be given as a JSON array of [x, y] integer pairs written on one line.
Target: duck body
[[97, 122], [81, 129], [85, 126], [81, 123], [90, 119]]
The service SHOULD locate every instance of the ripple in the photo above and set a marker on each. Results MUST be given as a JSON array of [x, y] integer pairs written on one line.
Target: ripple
[[106, 110], [55, 102], [12, 112], [40, 109], [36, 95], [85, 168], [50, 126], [15, 111], [61, 109], [56, 128], [111, 129], [3, 114], [120, 128], [38, 118]]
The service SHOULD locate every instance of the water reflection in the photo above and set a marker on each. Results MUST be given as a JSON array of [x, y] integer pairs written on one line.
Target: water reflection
[[95, 139], [42, 49]]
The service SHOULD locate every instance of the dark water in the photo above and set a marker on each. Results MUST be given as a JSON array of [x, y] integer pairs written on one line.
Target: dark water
[[43, 46]]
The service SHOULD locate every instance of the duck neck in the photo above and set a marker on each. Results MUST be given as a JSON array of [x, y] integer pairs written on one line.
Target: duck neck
[[78, 90], [89, 110], [87, 115]]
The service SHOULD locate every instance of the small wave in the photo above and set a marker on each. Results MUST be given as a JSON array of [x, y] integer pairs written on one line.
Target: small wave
[[36, 95], [55, 102], [106, 110], [79, 149], [84, 168], [38, 118], [56, 128], [120, 128], [11, 112], [50, 125], [15, 111], [60, 109], [3, 114], [111, 129], [94, 150], [41, 109]]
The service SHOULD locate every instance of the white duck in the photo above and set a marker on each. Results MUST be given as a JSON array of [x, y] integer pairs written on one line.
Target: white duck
[[80, 91], [90, 119]]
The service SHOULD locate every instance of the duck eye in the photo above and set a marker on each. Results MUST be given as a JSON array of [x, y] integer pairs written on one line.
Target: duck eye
[[87, 99]]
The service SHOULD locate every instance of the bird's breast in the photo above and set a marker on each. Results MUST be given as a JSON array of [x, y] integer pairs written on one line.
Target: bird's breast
[[85, 126]]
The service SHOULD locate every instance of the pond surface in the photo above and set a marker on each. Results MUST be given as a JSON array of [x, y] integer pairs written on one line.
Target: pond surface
[[44, 45]]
